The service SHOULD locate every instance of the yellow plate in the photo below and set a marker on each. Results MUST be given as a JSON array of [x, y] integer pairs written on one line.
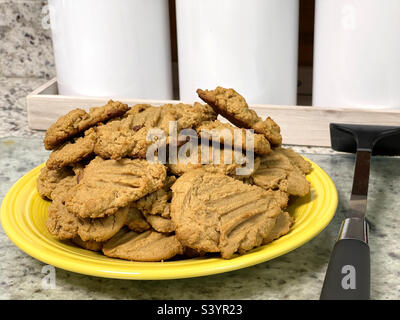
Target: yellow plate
[[24, 212]]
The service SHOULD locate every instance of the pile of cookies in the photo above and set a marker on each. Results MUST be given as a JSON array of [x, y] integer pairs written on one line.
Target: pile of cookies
[[108, 196]]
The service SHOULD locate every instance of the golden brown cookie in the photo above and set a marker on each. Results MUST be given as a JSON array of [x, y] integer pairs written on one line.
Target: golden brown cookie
[[78, 120], [188, 116], [279, 172], [157, 203], [232, 106], [102, 229], [296, 159], [147, 246], [72, 152], [60, 222], [159, 223], [282, 226], [224, 134], [128, 137], [48, 180], [108, 185], [89, 245], [64, 128], [136, 109], [216, 213], [213, 159], [147, 116], [135, 220], [281, 197], [63, 187], [78, 169], [121, 138], [63, 224]]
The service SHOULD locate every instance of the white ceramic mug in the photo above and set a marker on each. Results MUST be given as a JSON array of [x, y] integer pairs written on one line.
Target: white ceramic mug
[[357, 54], [248, 45], [112, 48]]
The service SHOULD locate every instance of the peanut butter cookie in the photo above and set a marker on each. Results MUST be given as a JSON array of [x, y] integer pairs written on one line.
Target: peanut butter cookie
[[108, 185], [147, 246], [72, 152], [224, 133], [78, 120], [89, 245], [128, 137], [232, 106], [65, 225], [216, 213], [277, 171], [49, 179], [135, 220]]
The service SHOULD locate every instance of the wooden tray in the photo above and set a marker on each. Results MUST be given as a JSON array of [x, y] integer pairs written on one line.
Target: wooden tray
[[299, 125]]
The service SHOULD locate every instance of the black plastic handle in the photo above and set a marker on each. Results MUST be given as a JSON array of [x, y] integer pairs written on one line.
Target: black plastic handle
[[348, 274]]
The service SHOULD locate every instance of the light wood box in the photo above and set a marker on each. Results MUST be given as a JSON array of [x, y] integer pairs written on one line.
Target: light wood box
[[300, 125]]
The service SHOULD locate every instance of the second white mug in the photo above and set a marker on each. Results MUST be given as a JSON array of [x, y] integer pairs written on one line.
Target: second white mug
[[249, 45]]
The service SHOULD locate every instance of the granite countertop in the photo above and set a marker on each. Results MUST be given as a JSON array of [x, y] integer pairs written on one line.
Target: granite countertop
[[296, 275]]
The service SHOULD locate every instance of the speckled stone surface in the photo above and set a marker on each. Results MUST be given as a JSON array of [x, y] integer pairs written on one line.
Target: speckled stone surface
[[25, 39], [13, 115], [296, 275]]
